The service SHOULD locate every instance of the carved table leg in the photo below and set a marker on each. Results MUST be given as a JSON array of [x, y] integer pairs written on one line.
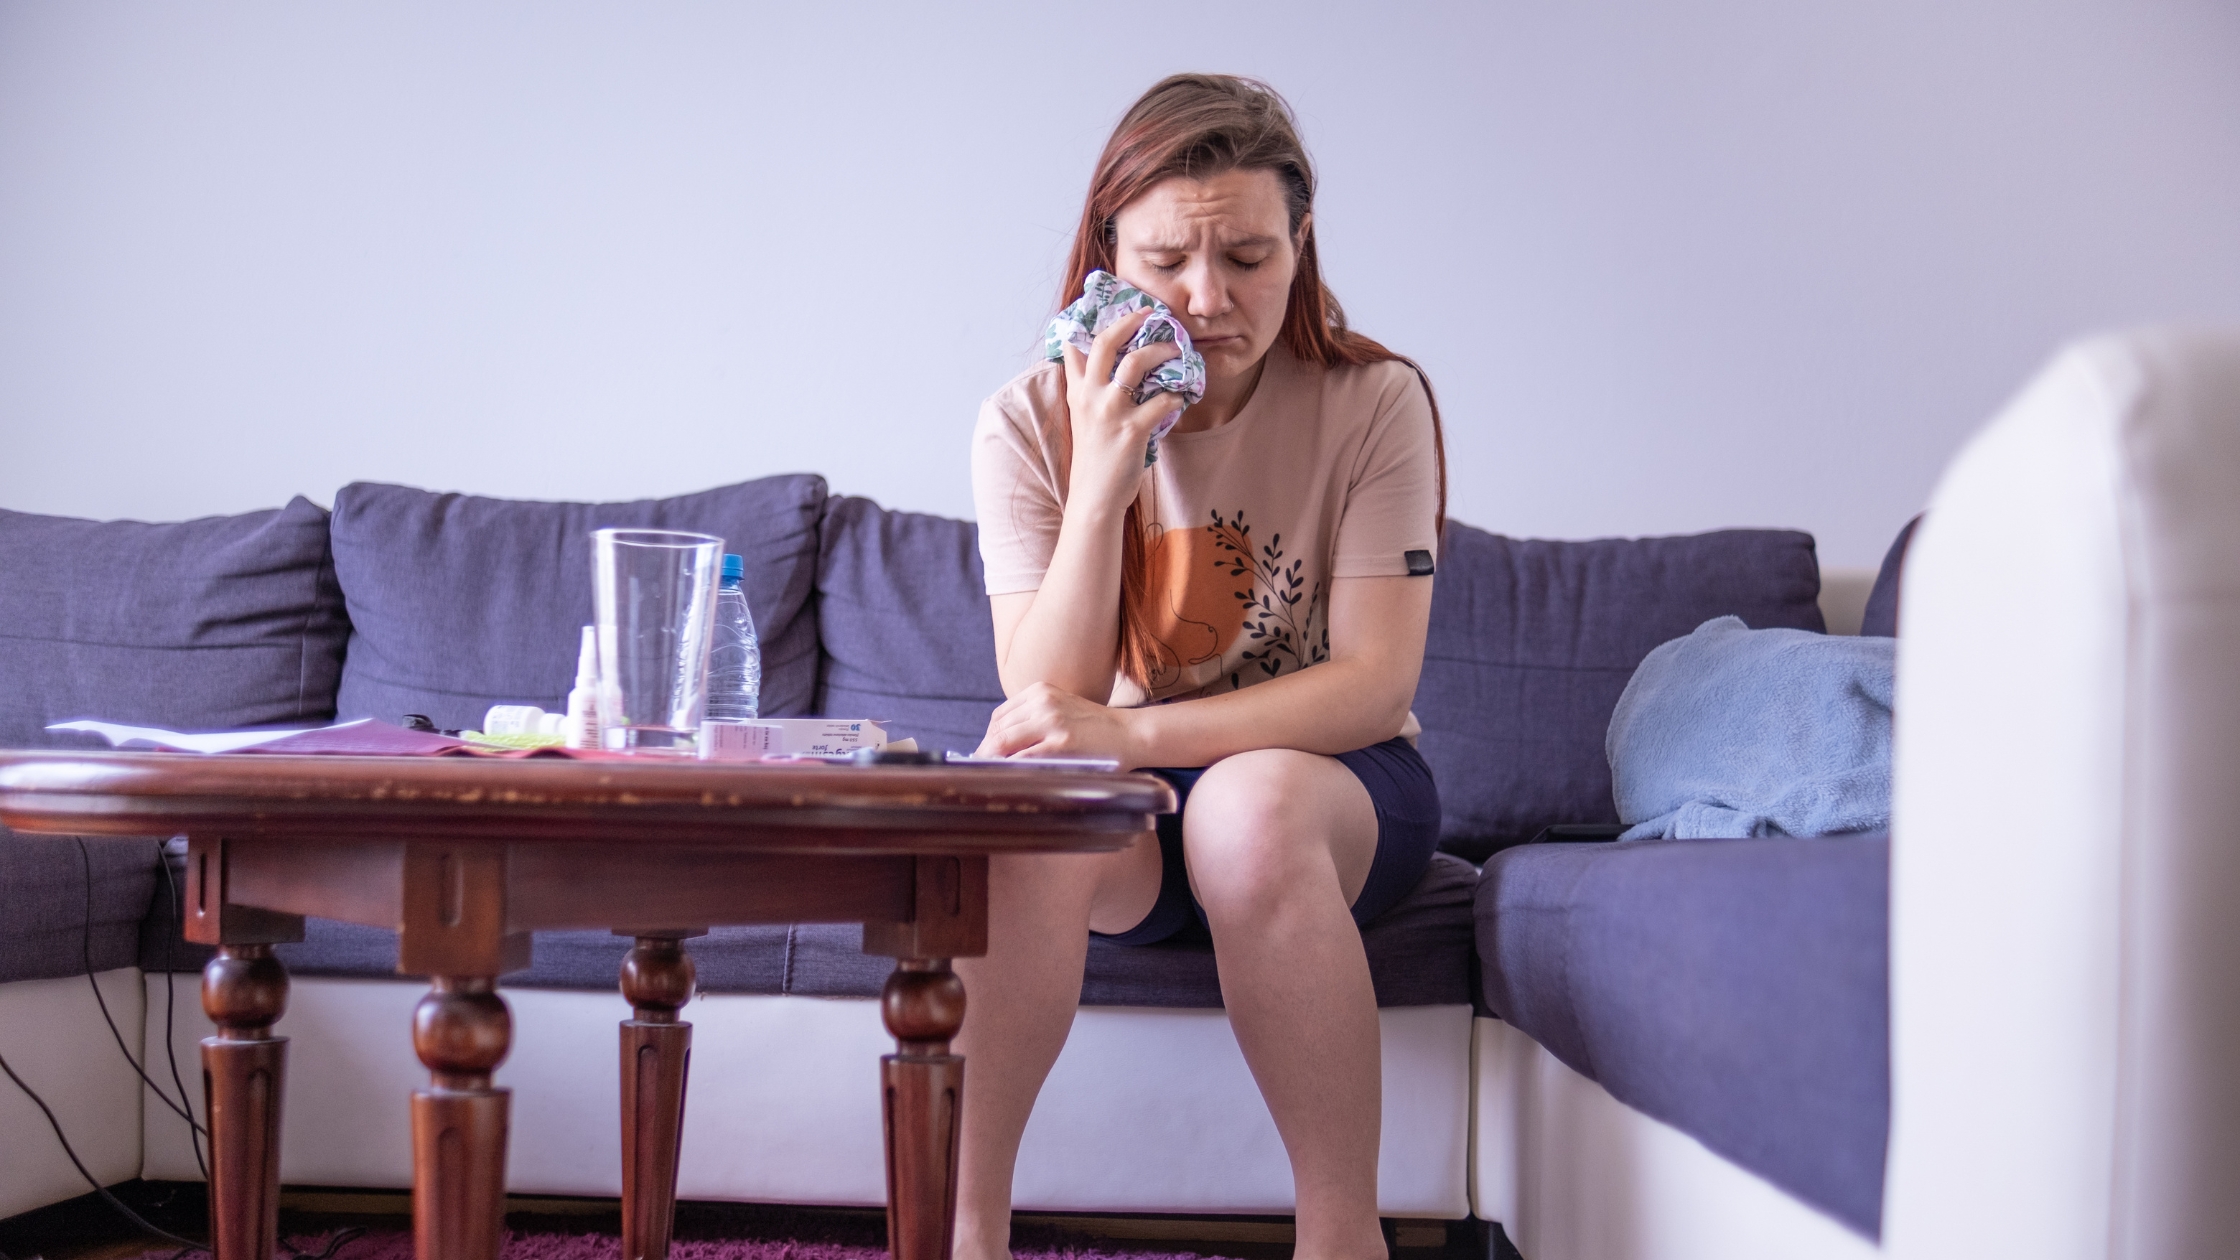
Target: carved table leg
[[245, 992], [657, 978], [462, 1031], [924, 1094]]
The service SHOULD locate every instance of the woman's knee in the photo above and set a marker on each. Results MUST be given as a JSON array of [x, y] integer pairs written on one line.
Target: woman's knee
[[1251, 797], [1262, 826]]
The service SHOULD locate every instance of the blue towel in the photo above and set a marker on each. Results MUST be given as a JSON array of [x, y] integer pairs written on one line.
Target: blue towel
[[1734, 732]]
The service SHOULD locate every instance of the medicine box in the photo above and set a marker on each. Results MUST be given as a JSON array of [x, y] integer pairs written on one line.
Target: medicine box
[[789, 737]]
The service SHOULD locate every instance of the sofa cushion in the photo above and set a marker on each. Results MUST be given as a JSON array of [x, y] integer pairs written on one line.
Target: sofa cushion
[[458, 603], [1419, 955], [903, 622], [44, 885], [1881, 615], [726, 960], [1737, 990], [1532, 641], [222, 622]]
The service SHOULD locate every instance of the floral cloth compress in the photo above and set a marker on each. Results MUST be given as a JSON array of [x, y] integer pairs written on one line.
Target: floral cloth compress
[[1105, 300]]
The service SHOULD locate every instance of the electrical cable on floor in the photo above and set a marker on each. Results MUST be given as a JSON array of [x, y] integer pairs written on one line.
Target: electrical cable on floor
[[113, 1201], [186, 1245], [334, 1244], [171, 997], [86, 857]]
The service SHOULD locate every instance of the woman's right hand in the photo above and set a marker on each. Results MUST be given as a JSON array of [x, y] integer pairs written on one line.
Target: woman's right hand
[[1110, 428]]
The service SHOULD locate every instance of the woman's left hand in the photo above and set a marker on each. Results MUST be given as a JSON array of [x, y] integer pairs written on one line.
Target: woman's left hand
[[1043, 721]]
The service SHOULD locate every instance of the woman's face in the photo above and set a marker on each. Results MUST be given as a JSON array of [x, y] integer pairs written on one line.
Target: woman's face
[[1220, 253]]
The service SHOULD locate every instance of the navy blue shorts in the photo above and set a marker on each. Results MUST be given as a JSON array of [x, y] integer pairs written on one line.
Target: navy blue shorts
[[1407, 805]]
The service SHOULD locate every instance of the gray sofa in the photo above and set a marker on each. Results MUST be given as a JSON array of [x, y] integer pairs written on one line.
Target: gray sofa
[[1703, 984], [1734, 989]]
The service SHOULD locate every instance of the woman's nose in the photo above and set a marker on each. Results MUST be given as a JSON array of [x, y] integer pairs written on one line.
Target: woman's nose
[[1209, 296]]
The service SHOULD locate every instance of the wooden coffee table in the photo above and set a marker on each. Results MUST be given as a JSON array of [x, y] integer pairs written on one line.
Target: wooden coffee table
[[466, 856]]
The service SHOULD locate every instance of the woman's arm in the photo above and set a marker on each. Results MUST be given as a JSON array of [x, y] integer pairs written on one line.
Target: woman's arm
[[1360, 696], [1065, 634]]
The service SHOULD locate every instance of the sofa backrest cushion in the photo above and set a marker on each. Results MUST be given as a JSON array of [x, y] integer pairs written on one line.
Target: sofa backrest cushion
[[903, 622], [1532, 641], [1881, 615], [227, 621], [458, 603]]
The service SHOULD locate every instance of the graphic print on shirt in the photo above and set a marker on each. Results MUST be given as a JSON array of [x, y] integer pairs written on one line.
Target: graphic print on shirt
[[1199, 609]]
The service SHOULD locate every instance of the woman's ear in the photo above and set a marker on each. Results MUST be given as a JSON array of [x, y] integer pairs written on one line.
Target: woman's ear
[[1299, 238]]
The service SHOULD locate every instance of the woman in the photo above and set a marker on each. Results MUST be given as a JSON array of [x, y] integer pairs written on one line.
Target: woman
[[1252, 605]]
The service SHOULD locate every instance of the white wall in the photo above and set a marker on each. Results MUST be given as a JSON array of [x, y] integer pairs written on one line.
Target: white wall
[[1672, 267]]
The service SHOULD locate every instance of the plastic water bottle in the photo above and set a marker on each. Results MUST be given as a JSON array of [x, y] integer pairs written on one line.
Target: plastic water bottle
[[735, 657]]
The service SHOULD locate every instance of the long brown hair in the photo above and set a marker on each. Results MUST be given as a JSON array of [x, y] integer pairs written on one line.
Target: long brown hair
[[1197, 126]]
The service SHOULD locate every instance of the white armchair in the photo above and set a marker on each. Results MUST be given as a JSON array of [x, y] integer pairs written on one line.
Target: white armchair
[[2065, 886]]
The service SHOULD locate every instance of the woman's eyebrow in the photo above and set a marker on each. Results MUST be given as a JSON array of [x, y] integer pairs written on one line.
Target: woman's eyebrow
[[1235, 242]]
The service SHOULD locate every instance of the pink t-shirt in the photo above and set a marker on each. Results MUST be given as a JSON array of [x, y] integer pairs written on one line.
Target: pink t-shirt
[[1326, 473]]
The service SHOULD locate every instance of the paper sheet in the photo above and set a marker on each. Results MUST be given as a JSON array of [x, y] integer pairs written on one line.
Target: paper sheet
[[121, 736]]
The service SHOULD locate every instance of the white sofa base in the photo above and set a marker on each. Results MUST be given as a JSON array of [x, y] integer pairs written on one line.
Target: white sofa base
[[51, 1033], [1147, 1110], [1573, 1174]]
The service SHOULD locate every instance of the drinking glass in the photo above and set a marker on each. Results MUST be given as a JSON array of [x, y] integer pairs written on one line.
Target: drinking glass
[[653, 596]]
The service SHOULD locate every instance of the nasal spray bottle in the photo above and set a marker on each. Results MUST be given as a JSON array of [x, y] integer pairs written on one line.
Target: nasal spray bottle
[[582, 724]]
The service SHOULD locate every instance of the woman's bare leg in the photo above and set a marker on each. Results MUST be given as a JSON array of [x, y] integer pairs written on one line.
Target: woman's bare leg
[[1279, 844], [1019, 1005]]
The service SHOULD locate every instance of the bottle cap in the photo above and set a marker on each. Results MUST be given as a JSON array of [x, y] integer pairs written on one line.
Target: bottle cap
[[513, 719], [587, 658], [734, 568]]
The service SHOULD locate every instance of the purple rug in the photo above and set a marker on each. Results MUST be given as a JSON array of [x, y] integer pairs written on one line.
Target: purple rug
[[520, 1245]]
